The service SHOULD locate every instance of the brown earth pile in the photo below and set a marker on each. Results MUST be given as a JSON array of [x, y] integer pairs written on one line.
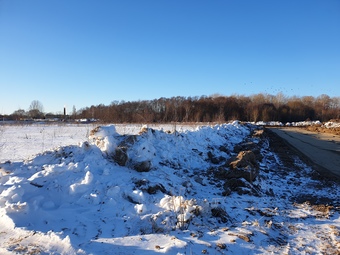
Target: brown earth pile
[[320, 129], [323, 129]]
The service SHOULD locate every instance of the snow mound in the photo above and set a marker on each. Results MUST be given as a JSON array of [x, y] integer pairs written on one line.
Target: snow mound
[[76, 190], [158, 192], [104, 137], [332, 124], [154, 147], [305, 123]]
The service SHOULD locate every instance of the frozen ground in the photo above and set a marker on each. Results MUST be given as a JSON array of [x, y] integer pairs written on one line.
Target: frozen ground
[[67, 190], [19, 142]]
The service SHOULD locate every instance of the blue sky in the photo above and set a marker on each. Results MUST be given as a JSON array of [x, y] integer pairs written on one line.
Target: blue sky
[[86, 52]]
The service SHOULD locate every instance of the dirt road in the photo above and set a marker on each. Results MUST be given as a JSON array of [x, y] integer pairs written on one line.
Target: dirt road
[[322, 150]]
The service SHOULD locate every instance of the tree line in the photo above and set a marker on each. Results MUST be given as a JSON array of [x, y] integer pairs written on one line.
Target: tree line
[[217, 108], [36, 111]]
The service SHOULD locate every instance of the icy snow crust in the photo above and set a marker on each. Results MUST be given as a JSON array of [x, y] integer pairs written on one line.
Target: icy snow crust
[[76, 200]]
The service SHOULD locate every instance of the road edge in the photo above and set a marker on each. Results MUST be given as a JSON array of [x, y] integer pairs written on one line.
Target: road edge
[[322, 171]]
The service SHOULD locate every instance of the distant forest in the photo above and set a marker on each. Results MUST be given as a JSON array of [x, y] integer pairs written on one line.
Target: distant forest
[[217, 108]]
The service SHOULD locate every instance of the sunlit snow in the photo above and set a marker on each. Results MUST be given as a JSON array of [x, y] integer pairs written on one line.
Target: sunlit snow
[[62, 191]]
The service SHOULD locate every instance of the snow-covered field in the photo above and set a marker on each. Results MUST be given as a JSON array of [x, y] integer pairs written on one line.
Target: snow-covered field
[[67, 190], [19, 142]]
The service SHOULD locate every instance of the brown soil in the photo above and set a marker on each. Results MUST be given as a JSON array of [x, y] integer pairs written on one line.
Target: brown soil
[[319, 129]]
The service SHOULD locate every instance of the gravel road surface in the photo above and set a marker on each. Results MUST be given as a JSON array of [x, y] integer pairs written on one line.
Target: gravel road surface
[[322, 150]]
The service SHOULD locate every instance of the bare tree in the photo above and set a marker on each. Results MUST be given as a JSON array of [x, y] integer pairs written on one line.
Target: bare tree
[[36, 109], [218, 108], [74, 112], [19, 114]]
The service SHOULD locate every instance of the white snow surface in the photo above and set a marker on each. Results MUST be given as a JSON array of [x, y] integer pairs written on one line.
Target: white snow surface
[[61, 192], [294, 124], [331, 124]]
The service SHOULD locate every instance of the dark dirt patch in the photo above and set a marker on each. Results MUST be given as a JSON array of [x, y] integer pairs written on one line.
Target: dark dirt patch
[[313, 200], [285, 152]]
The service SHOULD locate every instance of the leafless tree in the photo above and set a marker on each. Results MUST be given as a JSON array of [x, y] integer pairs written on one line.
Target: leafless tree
[[218, 108], [36, 109], [19, 114]]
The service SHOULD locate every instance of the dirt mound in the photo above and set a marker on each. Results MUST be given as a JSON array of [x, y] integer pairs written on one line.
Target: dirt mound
[[244, 166], [321, 129]]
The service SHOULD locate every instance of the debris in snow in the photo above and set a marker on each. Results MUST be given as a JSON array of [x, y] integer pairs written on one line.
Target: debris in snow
[[197, 190]]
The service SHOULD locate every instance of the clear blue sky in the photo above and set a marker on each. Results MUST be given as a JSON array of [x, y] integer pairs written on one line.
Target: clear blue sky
[[87, 52]]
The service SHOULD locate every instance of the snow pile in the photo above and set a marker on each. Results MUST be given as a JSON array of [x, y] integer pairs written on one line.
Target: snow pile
[[269, 123], [161, 192], [105, 138], [332, 124], [294, 124], [304, 123], [181, 150]]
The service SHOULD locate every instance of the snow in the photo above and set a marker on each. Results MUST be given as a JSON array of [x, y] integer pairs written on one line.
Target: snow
[[269, 123], [305, 123], [331, 124], [62, 192], [294, 124]]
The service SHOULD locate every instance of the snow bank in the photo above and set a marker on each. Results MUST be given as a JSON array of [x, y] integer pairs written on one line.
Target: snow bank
[[154, 147], [104, 137], [331, 124], [304, 123], [77, 199], [269, 123], [295, 124]]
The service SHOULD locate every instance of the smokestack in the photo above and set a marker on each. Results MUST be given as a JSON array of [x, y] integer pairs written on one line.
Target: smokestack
[[64, 111]]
